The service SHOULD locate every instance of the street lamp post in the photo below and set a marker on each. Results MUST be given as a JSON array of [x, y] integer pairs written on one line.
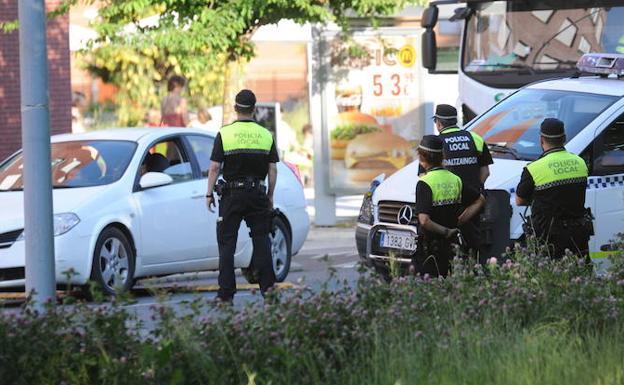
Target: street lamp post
[[38, 225]]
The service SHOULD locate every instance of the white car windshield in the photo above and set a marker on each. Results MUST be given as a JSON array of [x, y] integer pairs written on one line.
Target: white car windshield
[[511, 128], [75, 164]]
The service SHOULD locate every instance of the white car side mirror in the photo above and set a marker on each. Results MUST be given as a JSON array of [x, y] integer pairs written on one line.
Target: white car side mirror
[[154, 179]]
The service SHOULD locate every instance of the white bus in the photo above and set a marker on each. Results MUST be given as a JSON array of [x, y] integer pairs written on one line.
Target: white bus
[[506, 45]]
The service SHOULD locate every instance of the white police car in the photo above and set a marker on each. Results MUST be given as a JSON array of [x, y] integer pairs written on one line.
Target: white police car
[[592, 107]]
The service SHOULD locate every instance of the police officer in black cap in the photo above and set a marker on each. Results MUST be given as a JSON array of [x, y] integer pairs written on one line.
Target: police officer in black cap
[[443, 202], [467, 156], [247, 153], [554, 185]]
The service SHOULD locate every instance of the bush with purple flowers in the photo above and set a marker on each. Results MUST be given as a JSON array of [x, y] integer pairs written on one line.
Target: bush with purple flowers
[[523, 319]]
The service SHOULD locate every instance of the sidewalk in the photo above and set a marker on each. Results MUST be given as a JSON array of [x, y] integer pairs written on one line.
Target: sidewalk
[[347, 207]]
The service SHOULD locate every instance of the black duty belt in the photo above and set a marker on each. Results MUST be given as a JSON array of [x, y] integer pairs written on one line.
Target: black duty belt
[[244, 184]]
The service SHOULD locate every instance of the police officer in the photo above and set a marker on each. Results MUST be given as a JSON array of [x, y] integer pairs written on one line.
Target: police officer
[[554, 185], [248, 154], [467, 156], [442, 203]]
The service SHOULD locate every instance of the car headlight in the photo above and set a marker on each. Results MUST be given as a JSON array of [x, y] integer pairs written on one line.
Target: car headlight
[[62, 224], [366, 210]]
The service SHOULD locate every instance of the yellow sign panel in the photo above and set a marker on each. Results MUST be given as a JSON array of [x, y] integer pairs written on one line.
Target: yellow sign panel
[[407, 56]]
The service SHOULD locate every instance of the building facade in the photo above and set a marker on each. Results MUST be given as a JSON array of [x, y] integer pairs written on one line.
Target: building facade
[[58, 71]]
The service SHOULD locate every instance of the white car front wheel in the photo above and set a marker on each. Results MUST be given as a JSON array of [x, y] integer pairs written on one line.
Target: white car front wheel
[[113, 262]]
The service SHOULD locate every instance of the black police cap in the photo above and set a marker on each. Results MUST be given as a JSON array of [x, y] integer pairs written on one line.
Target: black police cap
[[445, 111], [245, 99], [552, 128], [431, 143]]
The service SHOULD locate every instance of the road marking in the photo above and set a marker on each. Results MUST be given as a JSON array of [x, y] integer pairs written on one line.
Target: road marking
[[348, 265], [314, 250], [245, 286], [332, 255], [12, 296], [21, 296]]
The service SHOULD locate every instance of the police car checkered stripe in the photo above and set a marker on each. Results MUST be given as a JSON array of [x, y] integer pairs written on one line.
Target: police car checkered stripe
[[562, 182], [597, 182]]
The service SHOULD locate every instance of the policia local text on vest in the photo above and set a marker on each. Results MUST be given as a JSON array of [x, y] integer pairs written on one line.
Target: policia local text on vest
[[554, 185], [467, 156], [248, 154], [443, 202]]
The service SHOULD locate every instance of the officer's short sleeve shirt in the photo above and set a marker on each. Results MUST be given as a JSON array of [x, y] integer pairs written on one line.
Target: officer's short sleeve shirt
[[424, 198], [469, 195], [243, 165], [561, 200], [443, 215], [217, 150], [526, 186], [218, 155], [273, 157], [485, 157]]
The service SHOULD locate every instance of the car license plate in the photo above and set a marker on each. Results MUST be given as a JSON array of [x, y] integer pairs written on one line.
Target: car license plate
[[398, 240]]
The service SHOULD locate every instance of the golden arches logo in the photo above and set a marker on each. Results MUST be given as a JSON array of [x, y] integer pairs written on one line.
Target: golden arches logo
[[407, 56]]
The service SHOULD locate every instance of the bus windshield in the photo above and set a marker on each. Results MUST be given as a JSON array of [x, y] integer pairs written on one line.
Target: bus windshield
[[529, 44], [511, 128]]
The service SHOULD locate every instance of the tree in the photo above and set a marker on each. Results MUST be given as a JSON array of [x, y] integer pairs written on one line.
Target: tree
[[141, 42]]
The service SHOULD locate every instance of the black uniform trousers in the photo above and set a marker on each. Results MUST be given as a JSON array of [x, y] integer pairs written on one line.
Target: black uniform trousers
[[433, 257], [253, 206], [562, 234], [471, 231]]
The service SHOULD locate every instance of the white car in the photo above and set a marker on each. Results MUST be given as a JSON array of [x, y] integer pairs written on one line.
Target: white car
[[592, 108], [130, 203]]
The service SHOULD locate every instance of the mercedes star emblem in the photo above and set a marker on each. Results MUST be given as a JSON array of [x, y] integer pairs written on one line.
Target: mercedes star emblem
[[404, 217]]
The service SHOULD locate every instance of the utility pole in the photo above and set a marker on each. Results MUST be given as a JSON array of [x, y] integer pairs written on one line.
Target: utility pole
[[318, 64], [38, 225]]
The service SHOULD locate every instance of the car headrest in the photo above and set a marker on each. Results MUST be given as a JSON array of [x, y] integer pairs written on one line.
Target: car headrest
[[156, 163]]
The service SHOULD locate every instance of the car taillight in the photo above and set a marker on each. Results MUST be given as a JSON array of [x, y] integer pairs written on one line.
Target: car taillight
[[295, 171]]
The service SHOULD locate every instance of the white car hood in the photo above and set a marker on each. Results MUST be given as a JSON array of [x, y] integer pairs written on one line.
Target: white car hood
[[401, 186], [505, 174], [65, 200]]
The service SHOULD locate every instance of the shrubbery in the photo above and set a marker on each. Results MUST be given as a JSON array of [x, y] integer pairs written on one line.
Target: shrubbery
[[525, 321]]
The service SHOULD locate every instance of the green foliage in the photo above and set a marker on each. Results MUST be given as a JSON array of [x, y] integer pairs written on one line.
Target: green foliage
[[9, 26], [525, 321], [140, 43]]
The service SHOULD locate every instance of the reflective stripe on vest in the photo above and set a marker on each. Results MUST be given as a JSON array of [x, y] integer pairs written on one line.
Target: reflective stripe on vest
[[445, 186], [557, 169], [478, 140], [246, 138]]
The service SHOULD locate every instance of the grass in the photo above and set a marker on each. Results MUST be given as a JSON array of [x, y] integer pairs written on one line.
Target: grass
[[546, 354]]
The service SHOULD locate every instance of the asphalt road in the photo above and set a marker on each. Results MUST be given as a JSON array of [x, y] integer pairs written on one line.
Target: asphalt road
[[329, 252]]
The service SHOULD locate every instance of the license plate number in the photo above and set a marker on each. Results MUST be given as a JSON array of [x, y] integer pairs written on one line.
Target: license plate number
[[398, 240]]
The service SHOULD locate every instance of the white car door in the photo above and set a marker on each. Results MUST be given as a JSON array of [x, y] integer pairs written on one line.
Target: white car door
[[605, 191], [201, 148], [170, 216]]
